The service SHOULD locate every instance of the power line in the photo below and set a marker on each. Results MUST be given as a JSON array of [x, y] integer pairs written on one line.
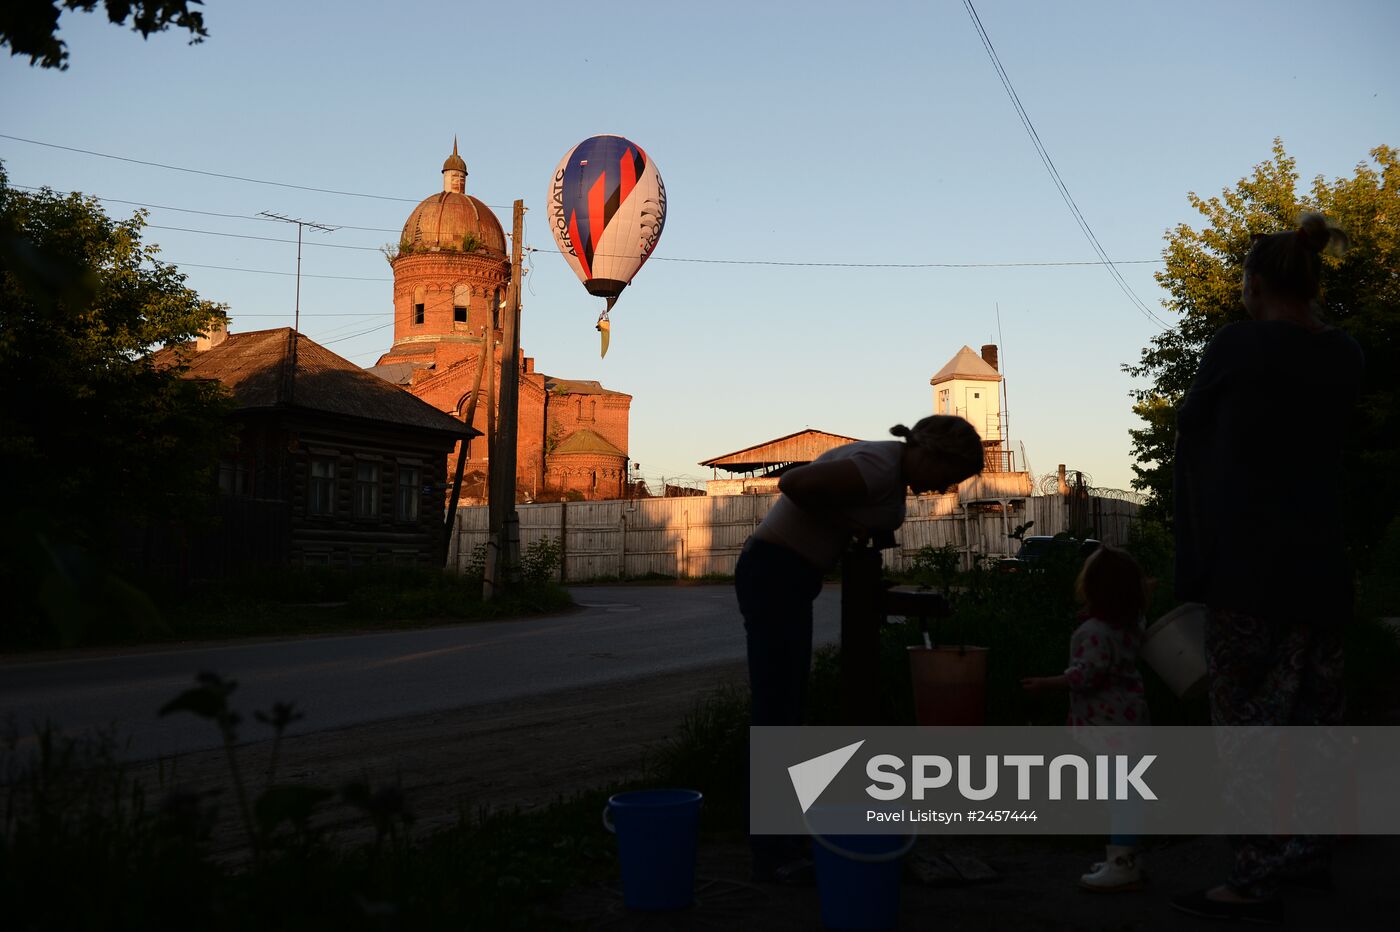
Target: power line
[[893, 265], [206, 213], [265, 239], [200, 171], [767, 262], [240, 315], [1104, 260], [230, 268], [1054, 172]]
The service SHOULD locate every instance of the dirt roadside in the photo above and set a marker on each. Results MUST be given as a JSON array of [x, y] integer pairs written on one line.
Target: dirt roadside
[[519, 753]]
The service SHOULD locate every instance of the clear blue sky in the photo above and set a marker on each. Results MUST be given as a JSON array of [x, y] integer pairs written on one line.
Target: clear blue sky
[[800, 132]]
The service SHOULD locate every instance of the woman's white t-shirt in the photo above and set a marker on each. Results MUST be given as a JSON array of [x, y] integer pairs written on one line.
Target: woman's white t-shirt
[[820, 536]]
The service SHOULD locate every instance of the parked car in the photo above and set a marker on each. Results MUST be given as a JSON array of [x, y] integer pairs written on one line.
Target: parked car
[[1037, 550]]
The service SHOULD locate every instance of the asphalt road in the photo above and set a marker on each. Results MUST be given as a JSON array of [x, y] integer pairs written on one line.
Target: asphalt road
[[619, 633]]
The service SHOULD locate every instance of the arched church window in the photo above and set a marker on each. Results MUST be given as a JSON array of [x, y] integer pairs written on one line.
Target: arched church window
[[419, 295], [461, 298]]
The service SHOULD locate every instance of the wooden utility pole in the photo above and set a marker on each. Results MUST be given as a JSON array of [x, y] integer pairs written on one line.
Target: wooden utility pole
[[468, 416], [504, 521]]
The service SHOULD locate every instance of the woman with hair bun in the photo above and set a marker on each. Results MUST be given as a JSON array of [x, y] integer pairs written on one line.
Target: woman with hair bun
[[852, 492], [1259, 528]]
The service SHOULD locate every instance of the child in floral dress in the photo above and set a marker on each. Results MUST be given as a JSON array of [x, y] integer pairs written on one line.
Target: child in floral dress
[[1105, 687]]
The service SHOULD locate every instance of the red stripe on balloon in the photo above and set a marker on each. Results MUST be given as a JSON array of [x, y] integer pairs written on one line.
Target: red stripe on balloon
[[596, 220], [578, 245], [629, 175]]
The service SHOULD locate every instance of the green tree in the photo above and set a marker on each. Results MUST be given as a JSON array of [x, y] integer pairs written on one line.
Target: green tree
[[1360, 293], [95, 437], [30, 27]]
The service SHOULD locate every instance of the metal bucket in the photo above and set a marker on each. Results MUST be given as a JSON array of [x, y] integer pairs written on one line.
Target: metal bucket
[[1175, 646]]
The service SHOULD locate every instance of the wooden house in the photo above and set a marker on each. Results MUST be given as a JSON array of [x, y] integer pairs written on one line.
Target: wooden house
[[333, 466]]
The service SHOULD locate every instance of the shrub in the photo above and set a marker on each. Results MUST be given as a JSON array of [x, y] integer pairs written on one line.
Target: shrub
[[539, 564]]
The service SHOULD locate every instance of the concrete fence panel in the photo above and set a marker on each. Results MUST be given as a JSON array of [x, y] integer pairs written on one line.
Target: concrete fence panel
[[702, 535]]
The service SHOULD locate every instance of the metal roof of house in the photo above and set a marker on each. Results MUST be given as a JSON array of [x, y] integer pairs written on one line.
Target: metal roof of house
[[584, 440], [801, 447], [966, 365], [398, 373], [577, 386], [255, 367]]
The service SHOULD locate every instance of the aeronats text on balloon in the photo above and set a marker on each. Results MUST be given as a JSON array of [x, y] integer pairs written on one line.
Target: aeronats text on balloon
[[561, 223]]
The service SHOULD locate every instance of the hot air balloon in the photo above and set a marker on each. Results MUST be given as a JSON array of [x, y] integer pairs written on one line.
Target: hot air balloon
[[607, 206]]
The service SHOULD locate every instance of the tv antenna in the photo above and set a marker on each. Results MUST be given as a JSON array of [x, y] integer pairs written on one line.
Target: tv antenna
[[291, 371], [324, 228]]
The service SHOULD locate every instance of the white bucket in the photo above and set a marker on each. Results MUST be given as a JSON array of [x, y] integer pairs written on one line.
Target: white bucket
[[1175, 646]]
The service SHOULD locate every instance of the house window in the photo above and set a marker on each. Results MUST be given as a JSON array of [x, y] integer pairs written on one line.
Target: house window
[[320, 492], [408, 493], [418, 313], [234, 478], [366, 489]]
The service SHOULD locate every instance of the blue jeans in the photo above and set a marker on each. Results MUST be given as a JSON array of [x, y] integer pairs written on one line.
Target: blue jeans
[[776, 589]]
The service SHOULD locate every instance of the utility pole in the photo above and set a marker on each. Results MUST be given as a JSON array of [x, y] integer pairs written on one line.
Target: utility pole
[[493, 465], [296, 318], [505, 522]]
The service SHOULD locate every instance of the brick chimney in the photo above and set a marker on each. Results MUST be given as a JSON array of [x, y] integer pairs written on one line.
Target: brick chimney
[[529, 364], [217, 334], [989, 355]]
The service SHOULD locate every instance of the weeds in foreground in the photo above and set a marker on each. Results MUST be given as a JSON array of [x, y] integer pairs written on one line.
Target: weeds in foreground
[[81, 846]]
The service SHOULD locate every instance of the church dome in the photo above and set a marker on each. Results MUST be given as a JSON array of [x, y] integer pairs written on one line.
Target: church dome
[[450, 221], [453, 220]]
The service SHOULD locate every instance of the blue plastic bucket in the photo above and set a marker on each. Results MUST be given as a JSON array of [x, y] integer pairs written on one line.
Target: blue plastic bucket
[[658, 832], [858, 879]]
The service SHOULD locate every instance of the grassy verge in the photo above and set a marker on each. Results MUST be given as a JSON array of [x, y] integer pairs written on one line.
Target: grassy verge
[[284, 602], [293, 602]]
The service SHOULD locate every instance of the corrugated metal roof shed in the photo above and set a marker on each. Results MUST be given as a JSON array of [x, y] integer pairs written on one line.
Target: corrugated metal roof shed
[[255, 367], [801, 447]]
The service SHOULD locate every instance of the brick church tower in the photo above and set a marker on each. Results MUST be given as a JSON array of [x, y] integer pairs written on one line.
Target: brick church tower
[[451, 274]]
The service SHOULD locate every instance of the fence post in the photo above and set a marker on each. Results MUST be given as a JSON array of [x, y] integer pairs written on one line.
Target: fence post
[[563, 541], [689, 550], [622, 547]]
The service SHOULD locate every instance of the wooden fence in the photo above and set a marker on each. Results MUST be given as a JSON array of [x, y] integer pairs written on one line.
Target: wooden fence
[[702, 535]]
